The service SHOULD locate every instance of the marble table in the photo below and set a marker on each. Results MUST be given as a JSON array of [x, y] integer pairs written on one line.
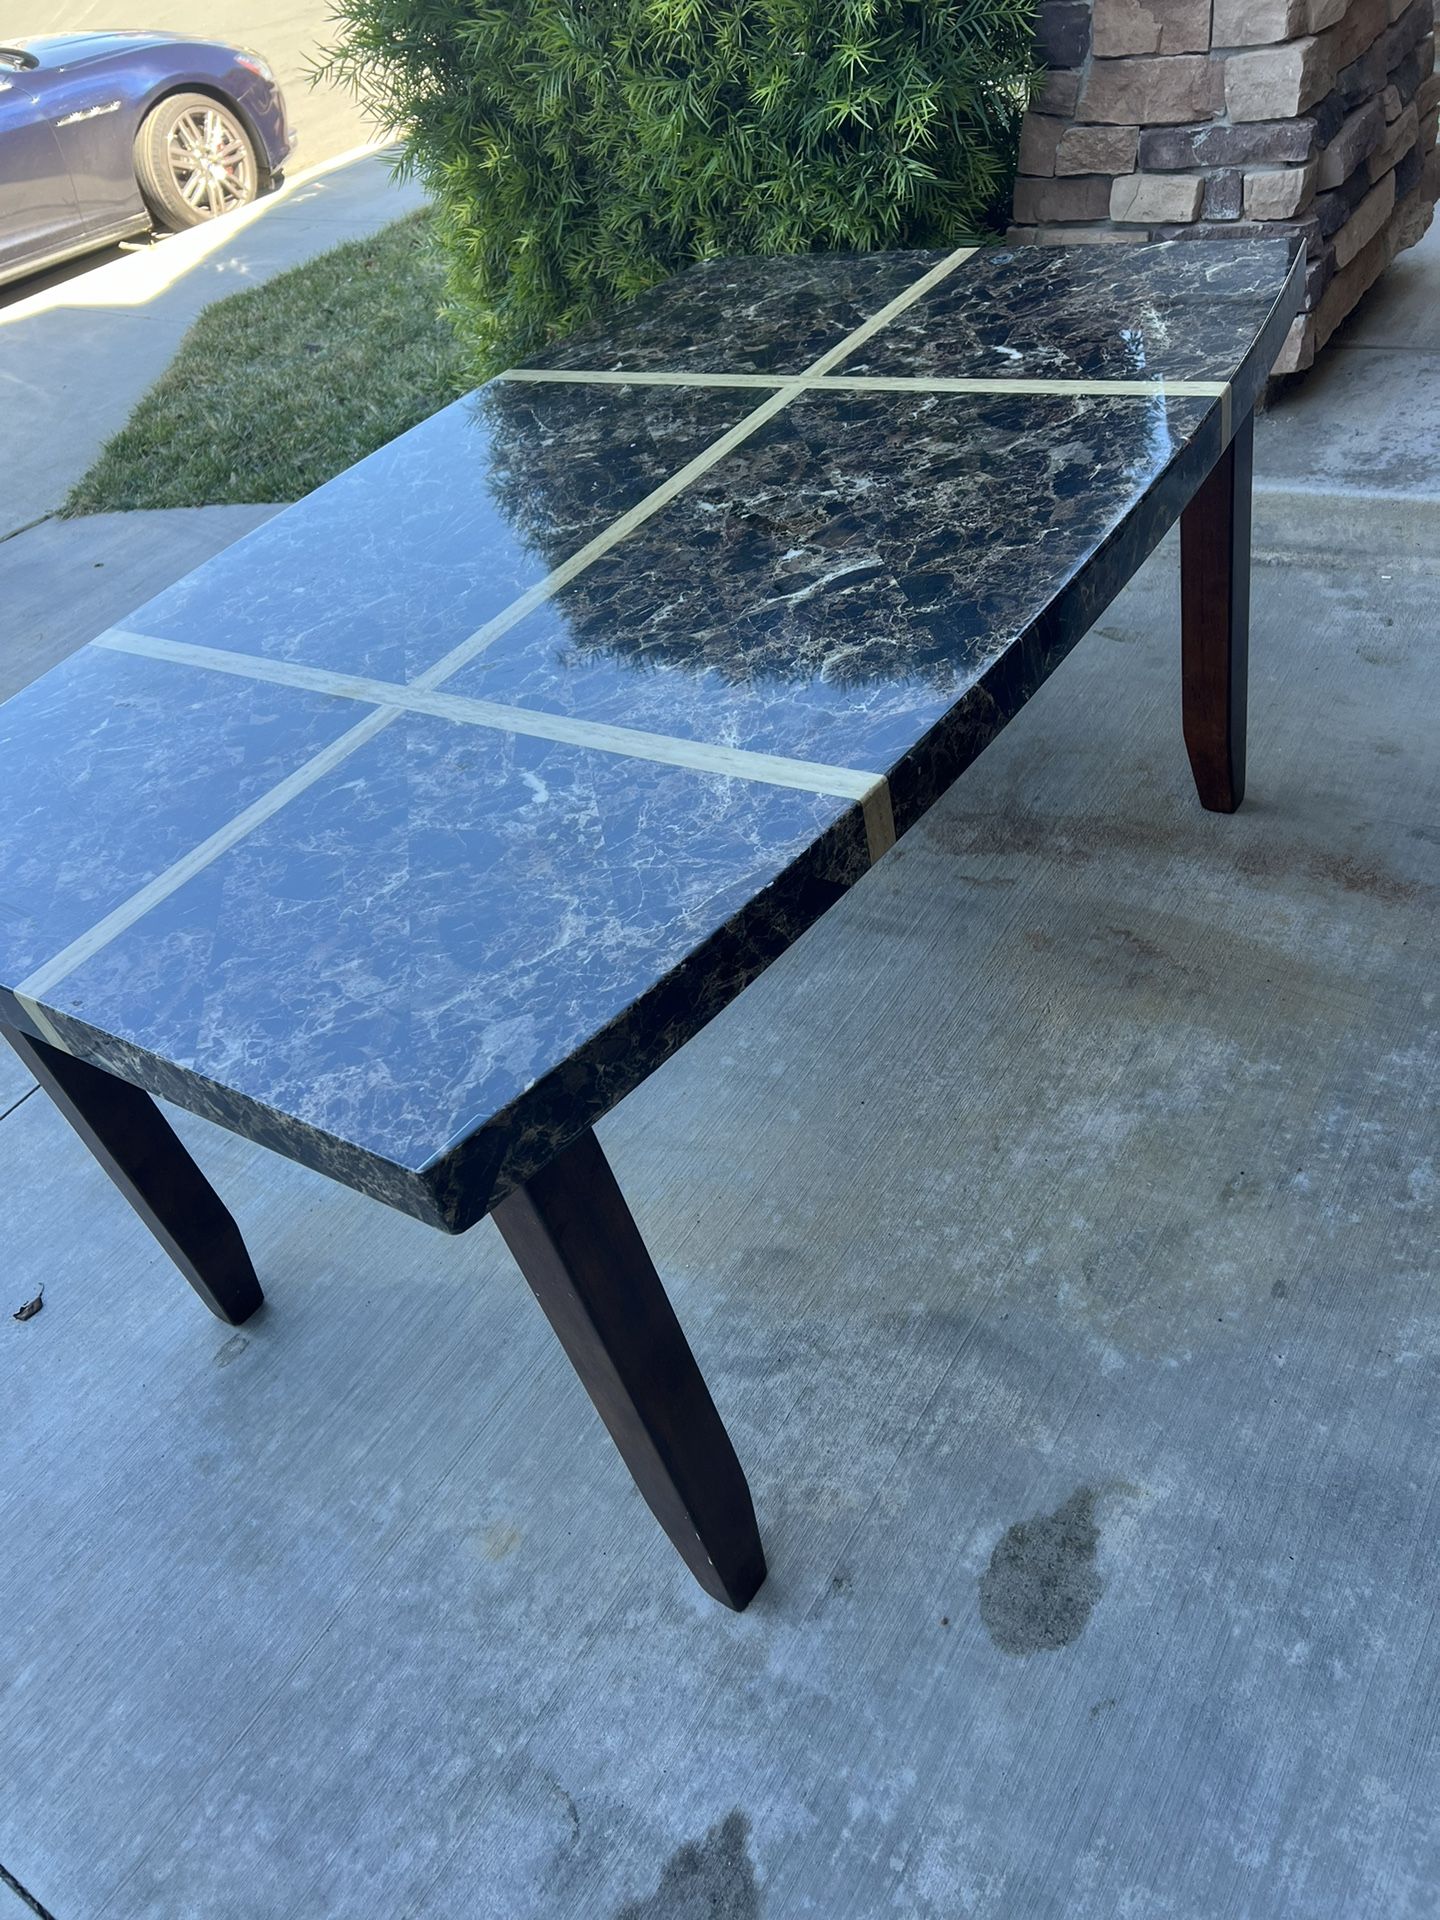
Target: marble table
[[412, 832]]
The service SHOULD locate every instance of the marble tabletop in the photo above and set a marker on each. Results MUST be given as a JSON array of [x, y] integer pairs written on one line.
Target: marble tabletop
[[413, 831]]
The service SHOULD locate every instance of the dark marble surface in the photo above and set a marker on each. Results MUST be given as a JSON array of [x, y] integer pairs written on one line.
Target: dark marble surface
[[112, 767], [448, 954], [835, 585], [384, 569], [744, 316], [1170, 311], [439, 926]]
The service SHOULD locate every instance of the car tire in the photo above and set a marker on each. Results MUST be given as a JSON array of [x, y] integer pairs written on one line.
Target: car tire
[[194, 160]]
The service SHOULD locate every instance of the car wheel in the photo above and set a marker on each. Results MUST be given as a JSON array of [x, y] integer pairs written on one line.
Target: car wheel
[[194, 160]]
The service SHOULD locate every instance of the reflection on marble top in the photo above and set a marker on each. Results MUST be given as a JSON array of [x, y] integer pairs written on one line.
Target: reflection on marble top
[[412, 832]]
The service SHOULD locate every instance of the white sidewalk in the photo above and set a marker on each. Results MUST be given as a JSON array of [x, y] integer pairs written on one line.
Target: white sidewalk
[[76, 357]]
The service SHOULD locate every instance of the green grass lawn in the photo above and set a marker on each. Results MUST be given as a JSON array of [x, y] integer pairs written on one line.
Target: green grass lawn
[[276, 389]]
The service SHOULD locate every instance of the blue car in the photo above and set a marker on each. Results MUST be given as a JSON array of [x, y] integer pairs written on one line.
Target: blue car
[[103, 135]]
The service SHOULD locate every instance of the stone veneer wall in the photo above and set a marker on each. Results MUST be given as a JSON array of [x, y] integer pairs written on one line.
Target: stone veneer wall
[[1160, 119]]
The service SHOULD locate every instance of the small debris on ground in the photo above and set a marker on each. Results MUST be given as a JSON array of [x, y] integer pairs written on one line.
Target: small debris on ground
[[31, 1307]]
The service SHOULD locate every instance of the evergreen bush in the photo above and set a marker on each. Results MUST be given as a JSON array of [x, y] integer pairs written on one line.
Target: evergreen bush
[[578, 151]]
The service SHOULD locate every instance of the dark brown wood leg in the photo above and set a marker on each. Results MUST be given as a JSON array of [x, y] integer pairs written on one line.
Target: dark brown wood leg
[[138, 1148], [575, 1242], [1215, 624]]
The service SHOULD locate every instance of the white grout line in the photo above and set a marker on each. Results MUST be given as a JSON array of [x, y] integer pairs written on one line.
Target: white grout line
[[876, 804], [1160, 388], [607, 377], [895, 383], [633, 743]]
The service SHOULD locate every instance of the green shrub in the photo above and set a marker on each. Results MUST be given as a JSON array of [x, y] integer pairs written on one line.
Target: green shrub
[[580, 150]]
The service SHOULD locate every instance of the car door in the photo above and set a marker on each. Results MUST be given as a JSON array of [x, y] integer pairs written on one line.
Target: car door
[[86, 103], [39, 213]]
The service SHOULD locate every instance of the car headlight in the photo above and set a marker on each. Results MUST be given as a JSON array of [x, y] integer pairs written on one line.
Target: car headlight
[[257, 65]]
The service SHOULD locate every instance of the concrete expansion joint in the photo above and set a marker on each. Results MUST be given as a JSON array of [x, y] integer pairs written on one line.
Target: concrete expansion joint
[[7, 1879], [25, 527], [1347, 524]]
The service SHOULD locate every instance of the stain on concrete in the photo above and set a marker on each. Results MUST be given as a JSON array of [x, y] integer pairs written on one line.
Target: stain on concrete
[[1275, 860], [232, 1349], [1039, 1590], [709, 1879], [1139, 944], [499, 1540], [1072, 841]]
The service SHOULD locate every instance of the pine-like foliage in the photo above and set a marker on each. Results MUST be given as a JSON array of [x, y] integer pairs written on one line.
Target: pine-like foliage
[[580, 150]]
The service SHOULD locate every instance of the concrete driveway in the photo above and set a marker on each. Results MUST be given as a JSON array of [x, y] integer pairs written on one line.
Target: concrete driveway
[[287, 32]]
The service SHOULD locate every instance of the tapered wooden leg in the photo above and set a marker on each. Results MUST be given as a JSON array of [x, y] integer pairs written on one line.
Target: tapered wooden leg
[[1215, 624], [138, 1148], [574, 1240]]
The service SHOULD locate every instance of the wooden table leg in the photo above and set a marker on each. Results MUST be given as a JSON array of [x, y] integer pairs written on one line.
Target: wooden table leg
[[576, 1243], [140, 1151], [1215, 624]]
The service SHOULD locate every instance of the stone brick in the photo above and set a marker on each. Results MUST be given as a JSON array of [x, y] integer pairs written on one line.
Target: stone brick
[[1329, 116], [1162, 91], [1429, 95], [1039, 137], [1297, 350], [1398, 140], [1406, 77], [1141, 199], [1062, 32], [1271, 142], [1278, 83], [1362, 25], [1391, 103], [1041, 202], [1350, 284], [1334, 208], [1414, 214], [1317, 277], [1080, 236], [1362, 50], [1366, 221], [1224, 193], [1407, 170], [1357, 139], [1057, 94], [1124, 27], [1097, 150], [1258, 23], [1279, 193]]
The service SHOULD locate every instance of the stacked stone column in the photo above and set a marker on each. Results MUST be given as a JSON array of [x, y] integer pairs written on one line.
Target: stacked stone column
[[1164, 119]]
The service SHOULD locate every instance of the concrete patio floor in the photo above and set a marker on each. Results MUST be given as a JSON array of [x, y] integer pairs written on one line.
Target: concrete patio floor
[[1056, 1226]]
